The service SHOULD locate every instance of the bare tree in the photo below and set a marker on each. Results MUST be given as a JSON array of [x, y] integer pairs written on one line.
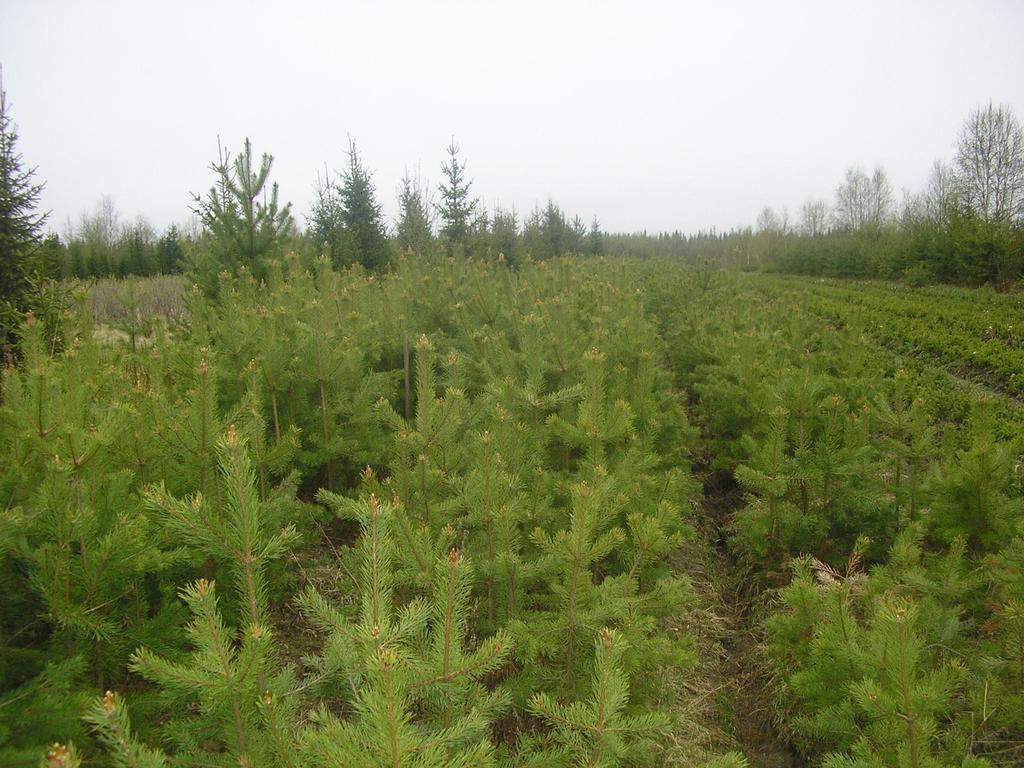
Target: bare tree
[[102, 227], [814, 217], [143, 229], [990, 163], [932, 204], [940, 192], [774, 223], [863, 201]]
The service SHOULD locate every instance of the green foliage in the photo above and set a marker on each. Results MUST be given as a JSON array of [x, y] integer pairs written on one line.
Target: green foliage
[[41, 711], [901, 509], [599, 731], [109, 719], [236, 529], [20, 226], [169, 253], [972, 489], [494, 573], [383, 732], [400, 660], [456, 209], [414, 230], [214, 692], [325, 226], [245, 226], [361, 215]]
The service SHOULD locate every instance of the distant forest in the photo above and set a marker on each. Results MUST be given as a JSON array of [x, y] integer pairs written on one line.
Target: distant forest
[[965, 226]]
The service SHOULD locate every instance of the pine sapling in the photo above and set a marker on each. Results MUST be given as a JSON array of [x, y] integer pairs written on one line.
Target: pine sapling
[[109, 719], [216, 690], [448, 684], [236, 534], [598, 731], [353, 641]]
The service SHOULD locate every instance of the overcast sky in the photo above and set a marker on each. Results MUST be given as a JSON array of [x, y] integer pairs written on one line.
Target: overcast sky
[[651, 116]]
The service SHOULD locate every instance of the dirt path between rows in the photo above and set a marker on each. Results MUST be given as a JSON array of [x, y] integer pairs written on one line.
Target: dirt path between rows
[[745, 688]]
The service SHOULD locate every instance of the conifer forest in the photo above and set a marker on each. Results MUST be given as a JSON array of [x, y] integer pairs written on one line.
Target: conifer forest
[[469, 488]]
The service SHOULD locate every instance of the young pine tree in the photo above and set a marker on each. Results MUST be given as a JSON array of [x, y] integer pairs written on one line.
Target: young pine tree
[[413, 683], [599, 731], [245, 226], [971, 490], [213, 695], [238, 532], [901, 699], [555, 638]]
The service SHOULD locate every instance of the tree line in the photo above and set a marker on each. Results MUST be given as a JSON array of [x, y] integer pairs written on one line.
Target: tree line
[[965, 226], [241, 222]]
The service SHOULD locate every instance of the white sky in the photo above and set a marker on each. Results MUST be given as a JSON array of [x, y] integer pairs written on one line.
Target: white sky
[[648, 115]]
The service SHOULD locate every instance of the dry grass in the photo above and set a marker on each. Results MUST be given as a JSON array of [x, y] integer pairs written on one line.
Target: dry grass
[[702, 730], [140, 300]]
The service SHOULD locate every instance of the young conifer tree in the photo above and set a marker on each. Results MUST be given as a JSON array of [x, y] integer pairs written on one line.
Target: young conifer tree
[[598, 731], [189, 423], [910, 440], [108, 717], [384, 733], [238, 533], [361, 214], [554, 642], [415, 228], [817, 641], [971, 490], [82, 548], [448, 684], [20, 225], [324, 224], [214, 692], [901, 698], [598, 427], [456, 209], [352, 641], [494, 508], [769, 521], [394, 662], [427, 455], [246, 226]]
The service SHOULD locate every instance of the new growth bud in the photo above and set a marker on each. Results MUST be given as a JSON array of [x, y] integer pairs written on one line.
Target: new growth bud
[[58, 756]]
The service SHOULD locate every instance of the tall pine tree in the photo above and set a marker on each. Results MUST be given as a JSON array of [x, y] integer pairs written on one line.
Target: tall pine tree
[[361, 213], [245, 226], [415, 228], [20, 224], [326, 227], [456, 208]]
